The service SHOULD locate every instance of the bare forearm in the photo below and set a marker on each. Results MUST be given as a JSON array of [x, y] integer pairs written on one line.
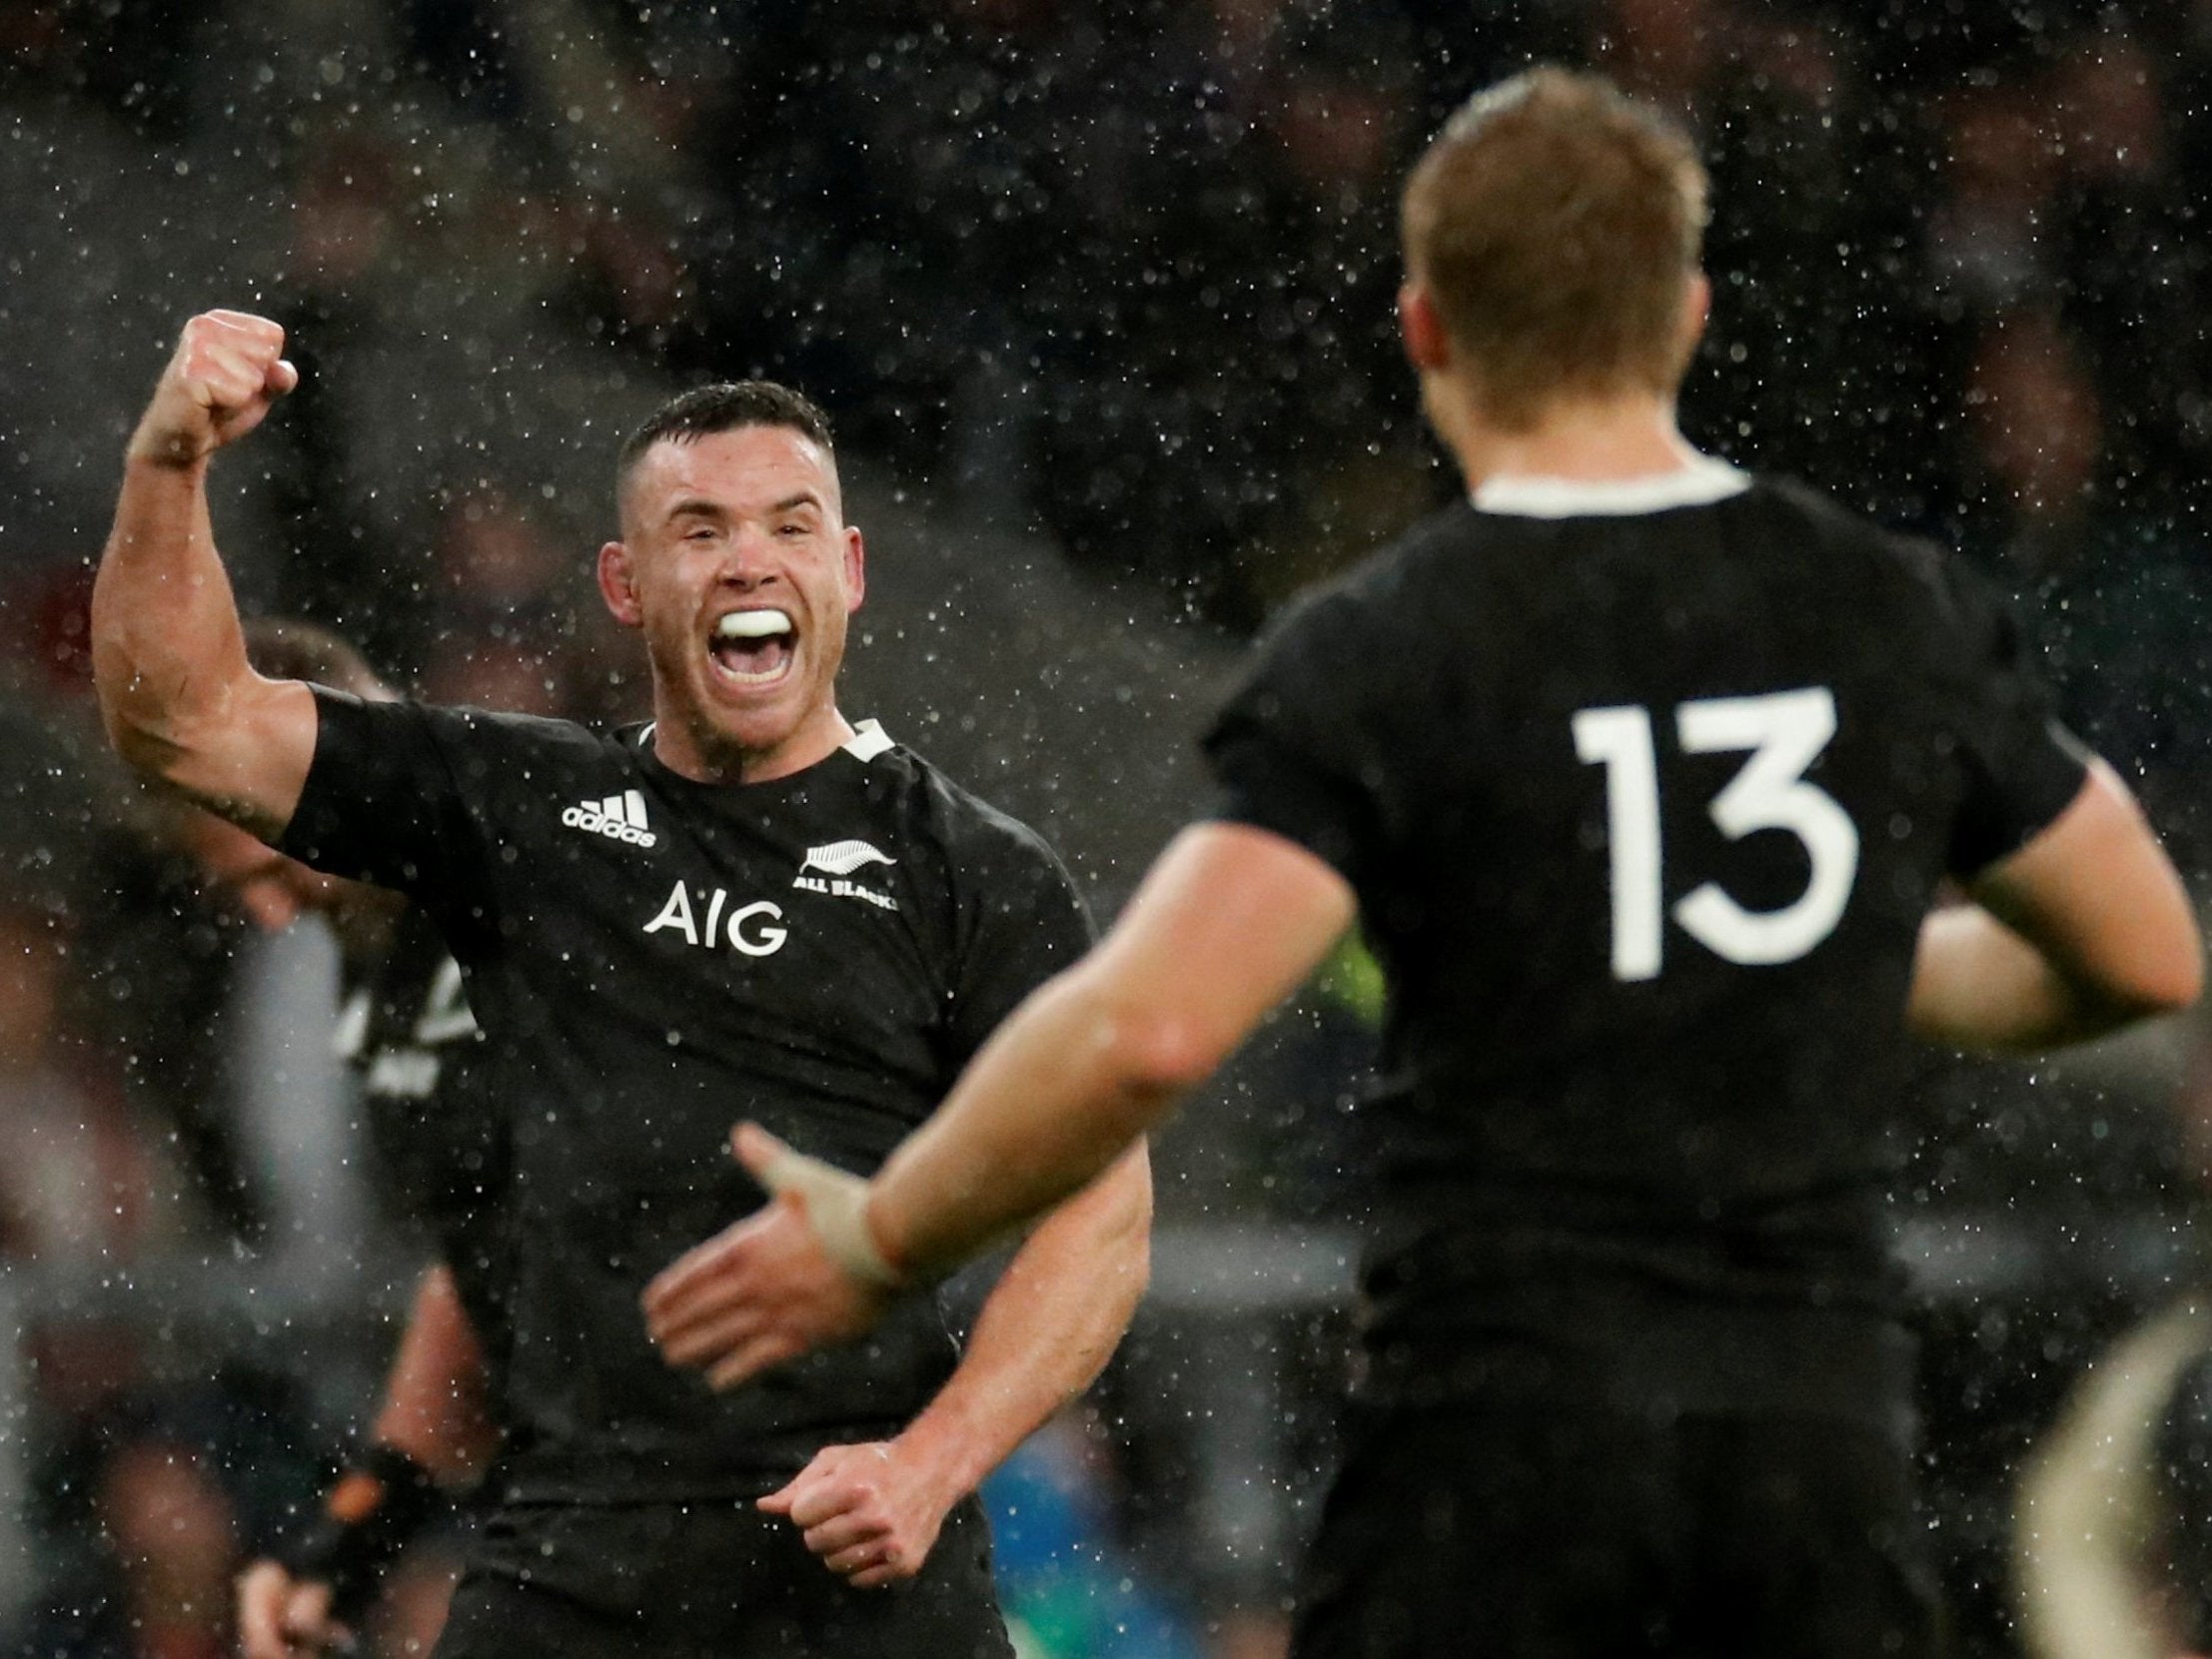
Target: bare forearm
[[1227, 923], [1052, 1100], [1978, 985], [1047, 1328], [435, 1408]]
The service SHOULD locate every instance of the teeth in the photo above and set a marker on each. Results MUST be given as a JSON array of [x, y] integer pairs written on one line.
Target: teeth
[[753, 624]]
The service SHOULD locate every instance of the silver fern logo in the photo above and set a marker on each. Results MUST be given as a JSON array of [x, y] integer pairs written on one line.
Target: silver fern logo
[[837, 862], [841, 858]]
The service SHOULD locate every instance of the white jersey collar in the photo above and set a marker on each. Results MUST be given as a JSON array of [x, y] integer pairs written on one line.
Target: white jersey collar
[[1702, 481], [868, 740]]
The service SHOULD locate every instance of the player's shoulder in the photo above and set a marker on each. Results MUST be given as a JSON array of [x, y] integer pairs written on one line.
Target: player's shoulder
[[1341, 613], [971, 833], [504, 755], [1366, 644], [1915, 572], [1826, 522], [556, 735], [502, 730], [1433, 545]]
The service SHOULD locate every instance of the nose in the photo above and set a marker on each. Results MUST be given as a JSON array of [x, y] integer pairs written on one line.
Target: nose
[[748, 561]]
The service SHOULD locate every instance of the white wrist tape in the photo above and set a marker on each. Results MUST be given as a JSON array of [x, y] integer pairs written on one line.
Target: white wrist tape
[[836, 1205]]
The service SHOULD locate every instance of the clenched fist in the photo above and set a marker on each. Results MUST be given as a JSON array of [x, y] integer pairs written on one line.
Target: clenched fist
[[871, 1512], [227, 370]]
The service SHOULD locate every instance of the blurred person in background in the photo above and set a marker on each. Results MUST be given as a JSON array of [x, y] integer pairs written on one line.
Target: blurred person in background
[[144, 999], [1987, 238], [168, 1541], [83, 1184], [1635, 1374], [148, 1504], [2132, 260], [2116, 593], [406, 1032], [637, 1510], [89, 1191], [503, 612]]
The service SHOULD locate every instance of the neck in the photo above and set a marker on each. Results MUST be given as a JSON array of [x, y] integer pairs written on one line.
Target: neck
[[1590, 441], [691, 748]]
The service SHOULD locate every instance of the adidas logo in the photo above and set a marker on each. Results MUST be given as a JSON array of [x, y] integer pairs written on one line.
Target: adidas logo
[[841, 858], [619, 817]]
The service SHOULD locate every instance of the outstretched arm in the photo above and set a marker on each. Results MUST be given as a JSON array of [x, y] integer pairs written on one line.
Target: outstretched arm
[[2086, 929], [180, 700], [1230, 921], [873, 1512]]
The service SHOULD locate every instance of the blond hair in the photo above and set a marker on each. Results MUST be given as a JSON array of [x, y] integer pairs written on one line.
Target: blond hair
[[1555, 223]]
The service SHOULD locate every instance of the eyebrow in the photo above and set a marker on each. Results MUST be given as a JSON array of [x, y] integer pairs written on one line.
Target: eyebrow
[[697, 506]]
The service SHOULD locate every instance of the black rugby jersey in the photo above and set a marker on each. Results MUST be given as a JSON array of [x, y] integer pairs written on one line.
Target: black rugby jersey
[[408, 1037], [1645, 790], [652, 960]]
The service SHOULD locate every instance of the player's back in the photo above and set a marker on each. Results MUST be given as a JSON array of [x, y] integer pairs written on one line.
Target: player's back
[[1644, 791]]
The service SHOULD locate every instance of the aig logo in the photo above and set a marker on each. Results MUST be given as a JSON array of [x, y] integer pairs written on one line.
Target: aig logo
[[752, 929]]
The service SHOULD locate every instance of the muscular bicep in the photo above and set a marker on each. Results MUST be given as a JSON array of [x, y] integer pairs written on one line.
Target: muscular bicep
[[247, 757], [2095, 893]]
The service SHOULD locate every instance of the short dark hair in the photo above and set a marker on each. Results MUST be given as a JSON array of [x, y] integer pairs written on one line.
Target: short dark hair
[[723, 408], [286, 648]]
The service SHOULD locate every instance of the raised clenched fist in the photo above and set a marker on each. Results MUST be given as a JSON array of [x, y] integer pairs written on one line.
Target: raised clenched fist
[[228, 369]]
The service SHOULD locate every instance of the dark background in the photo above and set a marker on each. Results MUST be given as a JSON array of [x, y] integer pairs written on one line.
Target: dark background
[[1099, 296]]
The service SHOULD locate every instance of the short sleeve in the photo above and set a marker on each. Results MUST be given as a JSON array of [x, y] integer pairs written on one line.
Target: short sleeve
[[2021, 767], [383, 802], [1285, 749], [1023, 921]]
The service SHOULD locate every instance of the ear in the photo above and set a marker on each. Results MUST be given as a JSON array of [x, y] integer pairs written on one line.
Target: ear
[[1428, 344], [617, 586], [1697, 307], [856, 570]]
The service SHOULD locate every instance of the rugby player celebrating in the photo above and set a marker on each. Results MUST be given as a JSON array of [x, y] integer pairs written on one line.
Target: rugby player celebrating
[[749, 907]]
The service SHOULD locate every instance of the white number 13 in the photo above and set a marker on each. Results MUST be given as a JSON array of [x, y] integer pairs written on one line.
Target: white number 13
[[1784, 733]]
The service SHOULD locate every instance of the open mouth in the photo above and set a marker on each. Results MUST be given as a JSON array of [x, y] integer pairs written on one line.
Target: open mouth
[[752, 647]]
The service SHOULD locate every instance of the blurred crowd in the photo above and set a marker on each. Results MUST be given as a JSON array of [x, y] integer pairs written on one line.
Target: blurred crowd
[[1111, 277]]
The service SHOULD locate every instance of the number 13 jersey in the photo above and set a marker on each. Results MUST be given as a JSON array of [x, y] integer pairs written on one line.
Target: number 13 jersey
[[1645, 789]]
